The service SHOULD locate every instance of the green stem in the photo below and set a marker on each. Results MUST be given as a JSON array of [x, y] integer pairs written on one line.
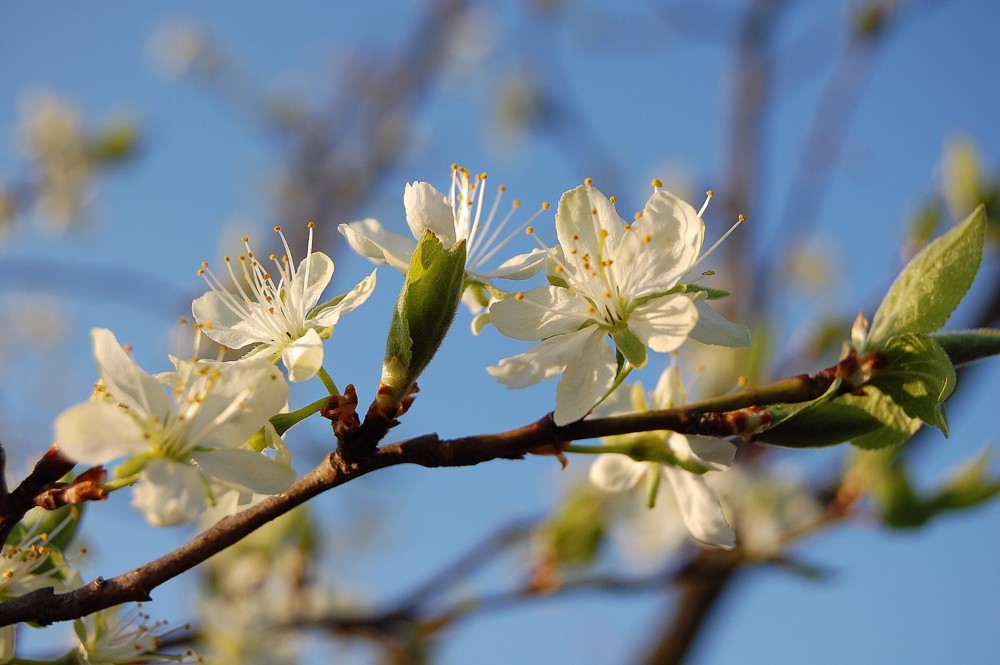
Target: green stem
[[119, 483], [284, 421], [623, 449], [327, 381]]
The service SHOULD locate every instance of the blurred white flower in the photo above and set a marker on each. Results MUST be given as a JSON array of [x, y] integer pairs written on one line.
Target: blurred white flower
[[120, 636], [690, 456]]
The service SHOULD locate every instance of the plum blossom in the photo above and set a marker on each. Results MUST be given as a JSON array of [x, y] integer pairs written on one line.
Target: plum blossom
[[281, 319], [458, 216], [120, 636], [687, 457], [611, 280], [180, 443]]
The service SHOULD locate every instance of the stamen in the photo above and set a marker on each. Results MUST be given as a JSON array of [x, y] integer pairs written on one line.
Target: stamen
[[739, 220]]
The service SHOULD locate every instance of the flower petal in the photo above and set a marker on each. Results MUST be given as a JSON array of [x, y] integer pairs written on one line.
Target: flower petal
[[373, 241], [253, 471], [427, 209], [171, 493], [669, 392], [664, 323], [98, 432], [330, 315], [700, 509], [590, 371], [581, 217], [239, 403], [303, 357], [713, 328], [712, 453], [522, 266], [311, 279], [126, 381], [230, 328], [613, 472], [540, 313]]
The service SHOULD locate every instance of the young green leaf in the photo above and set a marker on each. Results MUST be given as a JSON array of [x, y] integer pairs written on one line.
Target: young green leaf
[[930, 287], [918, 376], [967, 346]]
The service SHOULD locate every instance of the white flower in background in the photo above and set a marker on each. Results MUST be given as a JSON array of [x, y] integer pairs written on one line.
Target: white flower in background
[[119, 636], [28, 563], [183, 442], [279, 317], [618, 281], [453, 218], [691, 456]]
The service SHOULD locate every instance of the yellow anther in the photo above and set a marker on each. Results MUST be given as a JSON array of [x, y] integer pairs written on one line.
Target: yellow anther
[[454, 167], [741, 217], [593, 211], [710, 193], [517, 203], [559, 269], [127, 347], [613, 199], [603, 234], [311, 225], [647, 238], [742, 381], [277, 229], [607, 294], [545, 205], [657, 183], [518, 296], [628, 227], [503, 188], [272, 256], [575, 237], [245, 239], [530, 230], [708, 273], [637, 215], [590, 309], [208, 325]]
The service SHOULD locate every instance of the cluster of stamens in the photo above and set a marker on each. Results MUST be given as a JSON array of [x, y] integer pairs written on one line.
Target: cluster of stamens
[[466, 198], [257, 296]]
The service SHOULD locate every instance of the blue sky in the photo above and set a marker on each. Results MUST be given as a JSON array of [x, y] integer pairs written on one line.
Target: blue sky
[[657, 102]]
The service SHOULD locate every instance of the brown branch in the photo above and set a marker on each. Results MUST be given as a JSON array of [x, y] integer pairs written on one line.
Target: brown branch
[[739, 413]]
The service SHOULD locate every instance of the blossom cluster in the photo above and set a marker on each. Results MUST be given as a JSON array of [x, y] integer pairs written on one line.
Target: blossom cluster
[[206, 437]]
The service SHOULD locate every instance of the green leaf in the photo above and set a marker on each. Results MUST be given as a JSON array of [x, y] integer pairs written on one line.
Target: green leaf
[[967, 346], [577, 531], [930, 287], [824, 421], [918, 376], [897, 426]]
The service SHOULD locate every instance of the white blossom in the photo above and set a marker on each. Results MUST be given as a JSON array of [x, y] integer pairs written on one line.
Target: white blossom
[[278, 314], [182, 442]]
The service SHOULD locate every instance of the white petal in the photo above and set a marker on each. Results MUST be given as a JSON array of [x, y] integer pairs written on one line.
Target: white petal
[[303, 357], [664, 323], [590, 371], [8, 634], [612, 472], [329, 316], [427, 209], [713, 328], [247, 469], [671, 234], [700, 509], [581, 215], [540, 313], [669, 392], [370, 239], [170, 493], [98, 432], [126, 381], [712, 453], [241, 401], [480, 321], [231, 329], [522, 266], [547, 359], [311, 279]]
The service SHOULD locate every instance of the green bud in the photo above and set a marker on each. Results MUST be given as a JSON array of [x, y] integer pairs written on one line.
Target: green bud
[[424, 312]]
